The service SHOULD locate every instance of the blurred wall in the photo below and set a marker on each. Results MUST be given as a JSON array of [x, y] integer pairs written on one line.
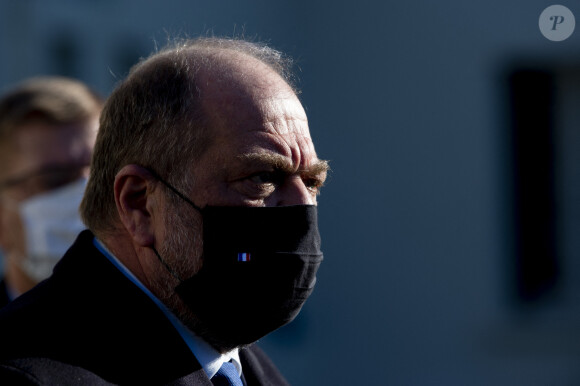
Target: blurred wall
[[409, 102]]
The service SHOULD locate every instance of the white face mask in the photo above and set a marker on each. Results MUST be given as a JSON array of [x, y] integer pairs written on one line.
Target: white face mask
[[51, 223]]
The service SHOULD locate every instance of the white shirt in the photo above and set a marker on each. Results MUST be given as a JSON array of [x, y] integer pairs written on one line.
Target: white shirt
[[206, 355]]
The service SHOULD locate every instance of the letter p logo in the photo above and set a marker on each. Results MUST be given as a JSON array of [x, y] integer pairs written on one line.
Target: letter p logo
[[557, 20], [557, 23]]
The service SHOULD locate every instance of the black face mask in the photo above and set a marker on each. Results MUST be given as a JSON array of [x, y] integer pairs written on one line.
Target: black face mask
[[259, 267]]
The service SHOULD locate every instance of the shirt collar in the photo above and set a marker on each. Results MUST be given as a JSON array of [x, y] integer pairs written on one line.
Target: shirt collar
[[206, 355]]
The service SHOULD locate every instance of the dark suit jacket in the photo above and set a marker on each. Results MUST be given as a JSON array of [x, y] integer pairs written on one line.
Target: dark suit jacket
[[89, 325]]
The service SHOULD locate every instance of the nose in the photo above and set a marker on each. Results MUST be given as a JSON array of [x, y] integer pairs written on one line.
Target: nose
[[294, 192]]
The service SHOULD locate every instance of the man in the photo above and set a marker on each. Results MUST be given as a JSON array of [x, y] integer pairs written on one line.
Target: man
[[203, 238], [47, 131]]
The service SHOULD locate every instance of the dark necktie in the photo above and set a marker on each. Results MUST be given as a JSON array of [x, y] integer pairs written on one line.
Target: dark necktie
[[227, 375]]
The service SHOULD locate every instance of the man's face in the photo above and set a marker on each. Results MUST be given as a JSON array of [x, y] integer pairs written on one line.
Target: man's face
[[261, 154], [40, 158]]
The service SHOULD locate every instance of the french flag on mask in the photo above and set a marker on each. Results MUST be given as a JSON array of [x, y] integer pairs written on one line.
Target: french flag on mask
[[244, 256]]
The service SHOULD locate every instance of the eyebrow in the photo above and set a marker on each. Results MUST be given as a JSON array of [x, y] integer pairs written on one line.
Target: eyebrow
[[281, 163]]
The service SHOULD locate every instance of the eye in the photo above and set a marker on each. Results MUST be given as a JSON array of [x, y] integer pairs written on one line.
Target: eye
[[313, 184], [265, 178]]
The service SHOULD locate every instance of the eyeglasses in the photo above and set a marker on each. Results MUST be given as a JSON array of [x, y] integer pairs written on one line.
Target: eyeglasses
[[45, 179]]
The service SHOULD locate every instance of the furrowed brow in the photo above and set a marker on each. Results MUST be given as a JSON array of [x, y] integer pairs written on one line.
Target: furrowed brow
[[273, 160], [319, 168]]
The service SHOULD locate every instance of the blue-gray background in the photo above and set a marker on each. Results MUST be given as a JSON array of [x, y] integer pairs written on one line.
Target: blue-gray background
[[407, 100]]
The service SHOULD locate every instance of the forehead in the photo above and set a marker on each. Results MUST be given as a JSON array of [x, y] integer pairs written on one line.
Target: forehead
[[276, 125], [252, 109]]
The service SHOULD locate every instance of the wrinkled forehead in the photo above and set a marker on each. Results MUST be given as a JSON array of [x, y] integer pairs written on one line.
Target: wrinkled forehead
[[240, 81], [249, 106], [253, 112]]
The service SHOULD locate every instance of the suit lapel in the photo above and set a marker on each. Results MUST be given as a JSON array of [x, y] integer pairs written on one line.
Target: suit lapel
[[258, 369], [120, 322]]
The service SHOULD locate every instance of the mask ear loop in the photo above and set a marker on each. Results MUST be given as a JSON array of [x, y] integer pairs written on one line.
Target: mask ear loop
[[186, 199], [181, 195], [167, 267]]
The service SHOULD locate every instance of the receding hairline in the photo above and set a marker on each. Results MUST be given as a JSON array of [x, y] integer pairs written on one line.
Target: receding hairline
[[214, 56], [204, 63]]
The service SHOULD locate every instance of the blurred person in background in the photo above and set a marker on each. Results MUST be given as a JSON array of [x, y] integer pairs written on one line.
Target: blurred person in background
[[48, 127]]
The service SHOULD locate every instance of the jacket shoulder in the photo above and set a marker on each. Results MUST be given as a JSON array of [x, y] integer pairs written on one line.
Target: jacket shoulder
[[44, 371]]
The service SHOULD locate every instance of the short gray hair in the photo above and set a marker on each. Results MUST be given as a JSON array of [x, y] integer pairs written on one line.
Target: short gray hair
[[155, 119]]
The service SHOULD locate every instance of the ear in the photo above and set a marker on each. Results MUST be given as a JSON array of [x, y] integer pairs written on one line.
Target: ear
[[136, 201]]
